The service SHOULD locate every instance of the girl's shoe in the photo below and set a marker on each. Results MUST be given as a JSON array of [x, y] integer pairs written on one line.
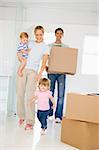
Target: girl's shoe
[[28, 127], [43, 131], [21, 121]]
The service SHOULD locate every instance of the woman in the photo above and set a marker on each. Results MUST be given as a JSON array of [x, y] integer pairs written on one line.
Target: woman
[[26, 84]]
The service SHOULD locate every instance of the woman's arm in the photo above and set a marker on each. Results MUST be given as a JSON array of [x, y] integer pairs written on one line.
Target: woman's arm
[[43, 66]]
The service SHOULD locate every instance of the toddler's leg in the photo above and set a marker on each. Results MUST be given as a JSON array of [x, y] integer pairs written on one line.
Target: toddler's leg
[[46, 113], [44, 123], [21, 67], [40, 118]]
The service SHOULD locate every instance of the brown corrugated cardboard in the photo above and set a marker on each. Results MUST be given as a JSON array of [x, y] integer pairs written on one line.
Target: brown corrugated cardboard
[[62, 60], [82, 135], [82, 107]]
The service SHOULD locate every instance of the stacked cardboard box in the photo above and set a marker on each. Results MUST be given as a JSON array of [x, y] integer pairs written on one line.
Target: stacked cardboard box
[[62, 60], [80, 127], [82, 135], [83, 107]]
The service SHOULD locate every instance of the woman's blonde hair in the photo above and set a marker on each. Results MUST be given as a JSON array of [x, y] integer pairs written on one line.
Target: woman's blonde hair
[[39, 28], [44, 82]]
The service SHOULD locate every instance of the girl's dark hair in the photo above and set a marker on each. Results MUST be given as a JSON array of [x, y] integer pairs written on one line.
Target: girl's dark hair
[[59, 29]]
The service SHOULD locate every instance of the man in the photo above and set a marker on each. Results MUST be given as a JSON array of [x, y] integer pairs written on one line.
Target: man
[[60, 79]]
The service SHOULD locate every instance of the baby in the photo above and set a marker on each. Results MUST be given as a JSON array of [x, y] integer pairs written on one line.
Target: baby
[[22, 52]]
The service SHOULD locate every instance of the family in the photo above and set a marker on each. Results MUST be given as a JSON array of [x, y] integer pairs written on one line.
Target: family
[[32, 87]]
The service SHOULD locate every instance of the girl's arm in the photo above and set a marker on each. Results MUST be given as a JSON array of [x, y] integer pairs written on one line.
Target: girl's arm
[[53, 101]]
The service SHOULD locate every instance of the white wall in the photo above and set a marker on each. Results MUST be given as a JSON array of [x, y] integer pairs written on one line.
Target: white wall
[[65, 13]]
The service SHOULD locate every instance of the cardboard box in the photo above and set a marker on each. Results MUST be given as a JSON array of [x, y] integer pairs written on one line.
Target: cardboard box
[[82, 107], [62, 60], [82, 135]]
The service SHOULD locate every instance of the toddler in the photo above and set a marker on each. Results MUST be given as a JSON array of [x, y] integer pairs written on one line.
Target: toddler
[[22, 52]]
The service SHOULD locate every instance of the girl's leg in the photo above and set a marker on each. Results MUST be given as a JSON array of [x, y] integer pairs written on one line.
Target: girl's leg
[[39, 116], [42, 117]]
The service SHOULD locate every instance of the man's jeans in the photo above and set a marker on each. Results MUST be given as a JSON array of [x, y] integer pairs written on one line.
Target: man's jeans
[[60, 78]]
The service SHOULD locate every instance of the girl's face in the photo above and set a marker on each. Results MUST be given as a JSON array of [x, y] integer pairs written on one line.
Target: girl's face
[[39, 35], [43, 88]]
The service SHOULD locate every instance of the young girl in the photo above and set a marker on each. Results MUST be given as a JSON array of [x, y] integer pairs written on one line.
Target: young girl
[[26, 85], [43, 95], [22, 52]]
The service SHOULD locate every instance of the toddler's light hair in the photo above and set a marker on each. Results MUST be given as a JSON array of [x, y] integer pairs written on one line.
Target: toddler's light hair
[[24, 34]]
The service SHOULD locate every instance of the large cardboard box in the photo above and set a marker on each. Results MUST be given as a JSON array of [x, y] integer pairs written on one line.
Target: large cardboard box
[[82, 135], [62, 60], [82, 107]]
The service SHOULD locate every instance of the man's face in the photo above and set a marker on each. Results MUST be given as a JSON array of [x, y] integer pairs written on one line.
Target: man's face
[[59, 35]]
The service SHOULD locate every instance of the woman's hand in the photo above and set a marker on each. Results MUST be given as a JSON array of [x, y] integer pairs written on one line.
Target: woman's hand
[[38, 77], [33, 98]]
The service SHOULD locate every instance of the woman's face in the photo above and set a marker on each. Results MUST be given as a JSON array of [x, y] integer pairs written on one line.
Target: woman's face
[[39, 35]]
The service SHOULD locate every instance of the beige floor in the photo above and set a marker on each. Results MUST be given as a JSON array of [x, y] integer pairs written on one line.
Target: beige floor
[[12, 137]]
